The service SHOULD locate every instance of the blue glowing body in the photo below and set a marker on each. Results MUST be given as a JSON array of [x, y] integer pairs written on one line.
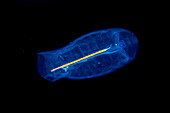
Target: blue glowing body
[[123, 49]]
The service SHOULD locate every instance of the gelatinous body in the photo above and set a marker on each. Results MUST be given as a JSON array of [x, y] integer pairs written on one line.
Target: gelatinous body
[[91, 55]]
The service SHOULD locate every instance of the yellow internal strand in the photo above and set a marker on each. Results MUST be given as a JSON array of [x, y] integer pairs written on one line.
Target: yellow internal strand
[[85, 57]]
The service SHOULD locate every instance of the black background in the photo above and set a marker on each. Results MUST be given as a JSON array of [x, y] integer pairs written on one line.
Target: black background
[[44, 26]]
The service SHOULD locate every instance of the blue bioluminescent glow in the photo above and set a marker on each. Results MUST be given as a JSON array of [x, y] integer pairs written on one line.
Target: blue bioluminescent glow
[[91, 55]]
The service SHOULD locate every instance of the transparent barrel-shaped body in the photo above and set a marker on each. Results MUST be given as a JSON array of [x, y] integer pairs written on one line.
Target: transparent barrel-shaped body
[[122, 47]]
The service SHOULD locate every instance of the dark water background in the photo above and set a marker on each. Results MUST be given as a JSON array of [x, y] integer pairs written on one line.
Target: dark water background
[[44, 26]]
